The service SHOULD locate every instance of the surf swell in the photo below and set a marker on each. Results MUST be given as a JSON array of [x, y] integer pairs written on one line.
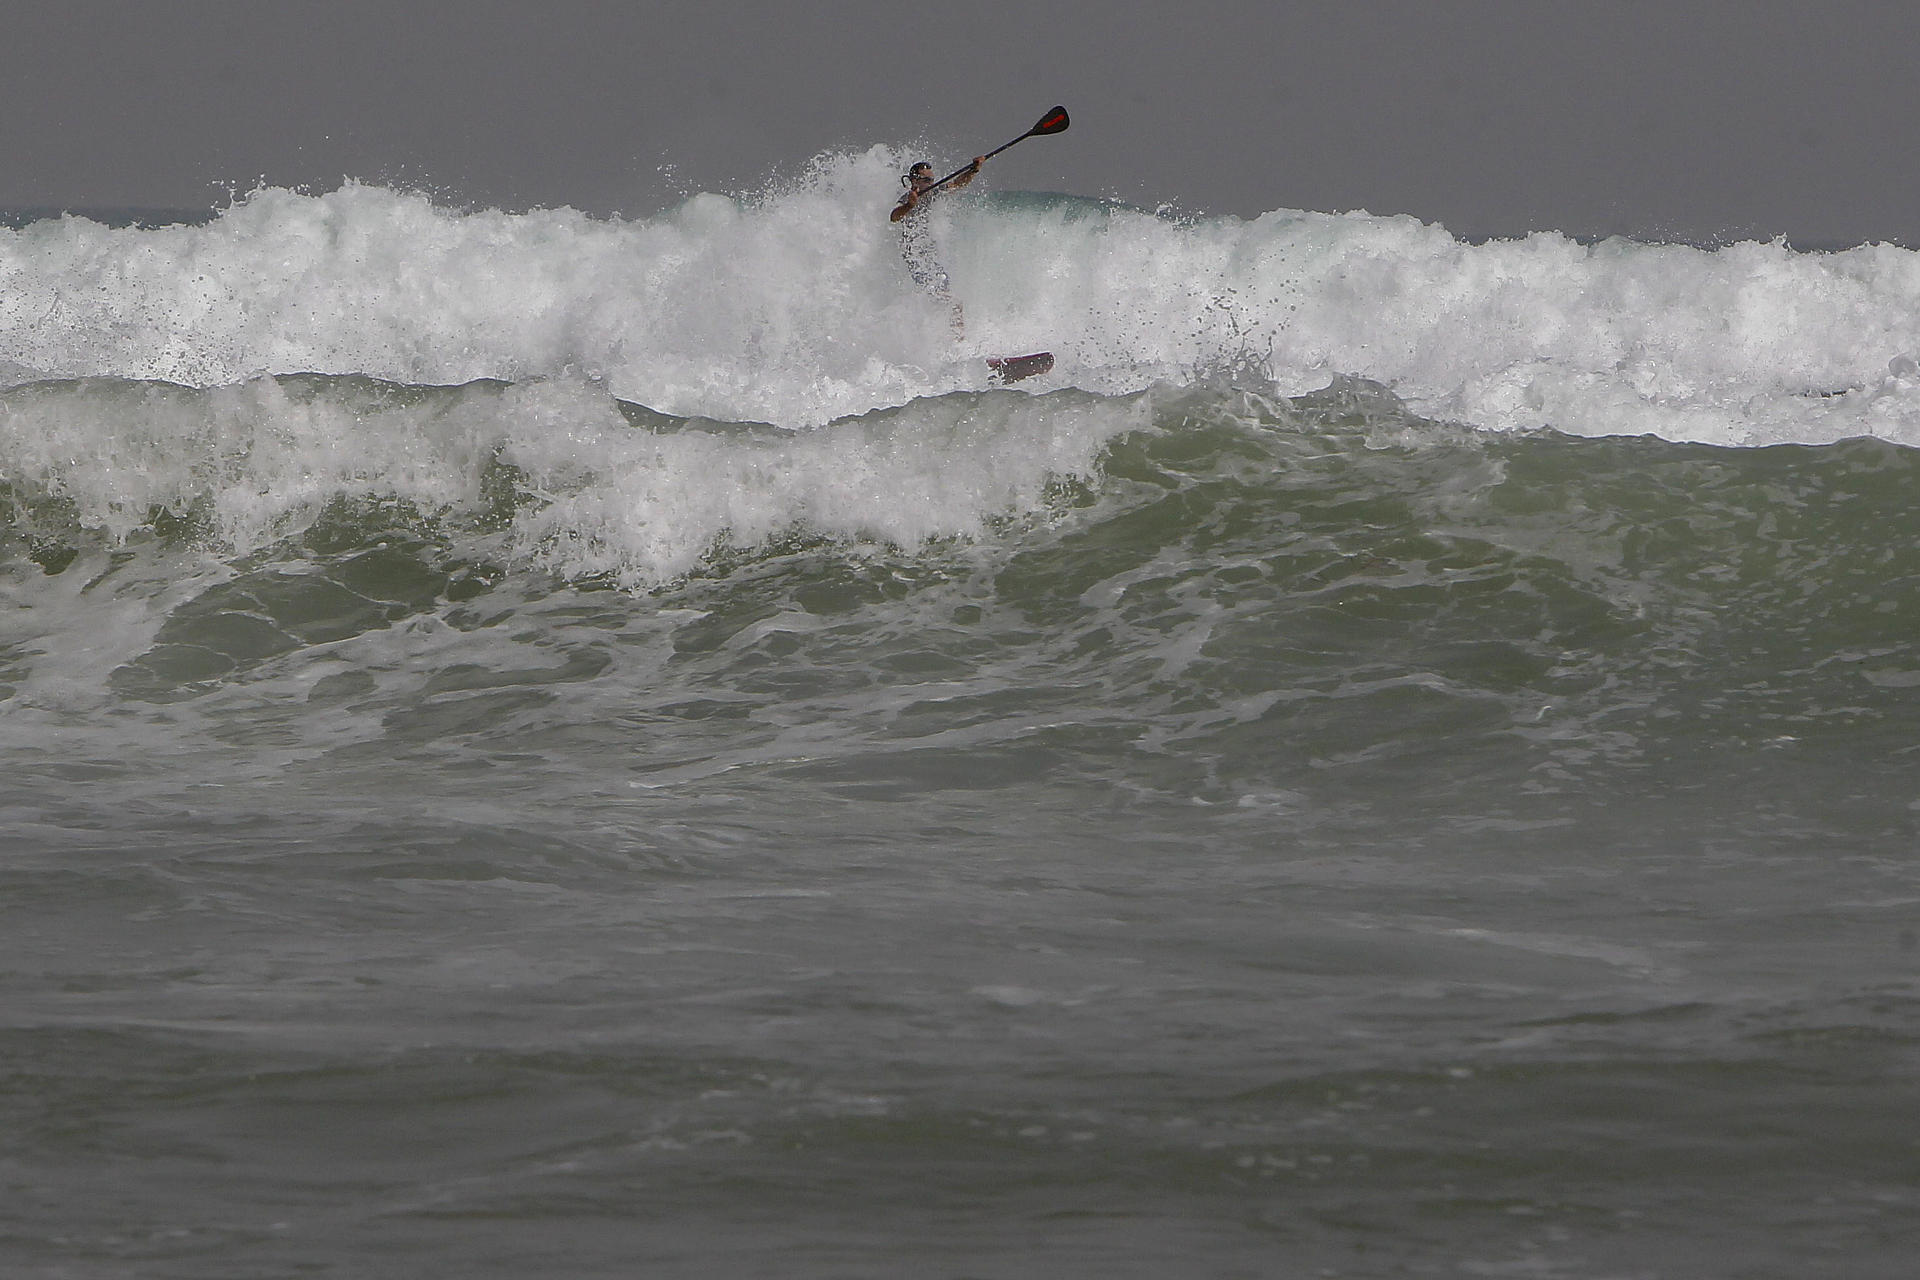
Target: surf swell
[[735, 367]]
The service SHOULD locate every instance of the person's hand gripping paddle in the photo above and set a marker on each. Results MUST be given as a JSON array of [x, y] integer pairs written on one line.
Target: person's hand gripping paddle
[[1055, 121]]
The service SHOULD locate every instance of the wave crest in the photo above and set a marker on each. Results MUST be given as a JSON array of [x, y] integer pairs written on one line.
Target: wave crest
[[793, 308]]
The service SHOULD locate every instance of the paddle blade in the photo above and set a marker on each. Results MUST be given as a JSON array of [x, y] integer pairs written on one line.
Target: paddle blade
[[1055, 121]]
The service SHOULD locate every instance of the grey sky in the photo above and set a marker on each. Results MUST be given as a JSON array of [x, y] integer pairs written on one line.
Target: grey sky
[[1687, 119]]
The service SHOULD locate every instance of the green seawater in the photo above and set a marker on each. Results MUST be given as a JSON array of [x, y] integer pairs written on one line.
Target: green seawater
[[1318, 841]]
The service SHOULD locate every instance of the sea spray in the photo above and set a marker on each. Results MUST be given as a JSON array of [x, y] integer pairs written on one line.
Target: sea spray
[[793, 308]]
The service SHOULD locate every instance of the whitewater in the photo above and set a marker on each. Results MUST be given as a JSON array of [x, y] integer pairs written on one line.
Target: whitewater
[[538, 744], [787, 309]]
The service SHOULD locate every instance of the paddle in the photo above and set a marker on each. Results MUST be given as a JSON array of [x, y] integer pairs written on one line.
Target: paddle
[[1055, 121]]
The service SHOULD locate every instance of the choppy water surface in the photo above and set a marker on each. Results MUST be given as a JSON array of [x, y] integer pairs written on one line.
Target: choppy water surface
[[509, 769]]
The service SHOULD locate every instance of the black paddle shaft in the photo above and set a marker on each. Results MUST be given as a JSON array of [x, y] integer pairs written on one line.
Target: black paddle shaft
[[1055, 121]]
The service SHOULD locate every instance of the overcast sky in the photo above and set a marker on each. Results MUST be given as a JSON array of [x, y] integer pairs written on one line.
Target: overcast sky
[[1695, 120]]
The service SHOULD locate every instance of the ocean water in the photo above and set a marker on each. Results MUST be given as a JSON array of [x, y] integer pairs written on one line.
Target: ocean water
[[534, 745]]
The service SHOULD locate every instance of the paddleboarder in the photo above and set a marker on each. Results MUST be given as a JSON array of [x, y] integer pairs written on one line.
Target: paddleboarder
[[916, 240], [916, 243]]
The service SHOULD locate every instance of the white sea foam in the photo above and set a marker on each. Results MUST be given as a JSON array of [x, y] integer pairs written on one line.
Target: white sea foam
[[640, 506], [599, 495], [794, 308]]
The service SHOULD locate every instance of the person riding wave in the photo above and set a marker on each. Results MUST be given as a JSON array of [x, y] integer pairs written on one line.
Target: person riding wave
[[916, 241]]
